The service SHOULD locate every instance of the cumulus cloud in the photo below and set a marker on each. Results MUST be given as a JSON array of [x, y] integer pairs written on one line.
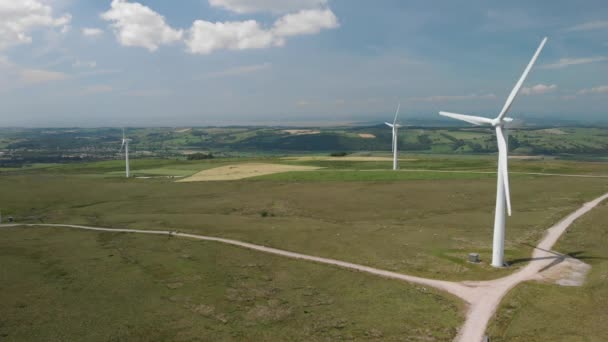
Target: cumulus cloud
[[596, 90], [539, 89], [205, 37], [274, 6], [18, 18], [91, 32], [589, 26], [137, 25], [566, 62], [305, 22]]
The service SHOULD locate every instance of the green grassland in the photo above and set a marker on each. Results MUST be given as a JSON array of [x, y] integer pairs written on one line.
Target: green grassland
[[179, 167], [61, 285], [368, 176], [72, 285], [419, 222], [548, 312]]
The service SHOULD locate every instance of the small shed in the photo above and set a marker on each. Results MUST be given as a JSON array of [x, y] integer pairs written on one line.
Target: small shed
[[474, 258]]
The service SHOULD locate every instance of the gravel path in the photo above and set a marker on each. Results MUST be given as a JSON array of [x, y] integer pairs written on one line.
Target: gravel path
[[488, 294], [483, 297]]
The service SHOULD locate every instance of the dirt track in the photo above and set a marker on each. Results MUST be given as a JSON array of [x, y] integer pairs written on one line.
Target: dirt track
[[483, 297]]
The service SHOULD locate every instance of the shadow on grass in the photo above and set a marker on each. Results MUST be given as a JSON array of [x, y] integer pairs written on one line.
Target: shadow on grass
[[557, 258]]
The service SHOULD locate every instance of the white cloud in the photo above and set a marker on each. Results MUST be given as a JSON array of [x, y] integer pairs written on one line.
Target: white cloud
[[565, 62], [137, 25], [596, 90], [538, 89], [240, 70], [274, 6], [446, 98], [18, 18], [589, 26], [91, 32], [305, 22], [205, 37]]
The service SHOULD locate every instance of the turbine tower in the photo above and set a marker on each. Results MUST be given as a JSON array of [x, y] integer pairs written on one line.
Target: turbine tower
[[125, 145], [503, 196], [395, 128]]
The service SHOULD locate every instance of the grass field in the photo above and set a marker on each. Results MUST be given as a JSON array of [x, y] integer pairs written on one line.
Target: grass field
[[60, 285], [421, 223], [68, 285], [181, 168], [368, 175], [548, 312]]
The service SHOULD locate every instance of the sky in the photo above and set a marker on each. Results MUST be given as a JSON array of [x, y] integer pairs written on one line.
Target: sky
[[85, 63]]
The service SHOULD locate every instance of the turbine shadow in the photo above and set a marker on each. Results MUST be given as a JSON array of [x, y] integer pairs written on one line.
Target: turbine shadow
[[557, 257]]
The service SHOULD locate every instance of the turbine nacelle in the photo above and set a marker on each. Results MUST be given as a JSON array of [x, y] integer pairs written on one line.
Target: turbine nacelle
[[478, 120], [501, 122]]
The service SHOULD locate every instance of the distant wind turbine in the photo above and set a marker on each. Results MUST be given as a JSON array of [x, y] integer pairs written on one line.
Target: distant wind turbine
[[125, 145], [503, 195], [395, 126]]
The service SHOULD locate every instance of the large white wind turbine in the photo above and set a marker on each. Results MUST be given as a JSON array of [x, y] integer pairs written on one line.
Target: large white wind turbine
[[125, 145], [395, 126], [503, 196]]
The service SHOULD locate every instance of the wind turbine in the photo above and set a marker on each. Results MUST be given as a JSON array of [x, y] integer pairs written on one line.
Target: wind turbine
[[503, 196], [395, 126], [125, 145]]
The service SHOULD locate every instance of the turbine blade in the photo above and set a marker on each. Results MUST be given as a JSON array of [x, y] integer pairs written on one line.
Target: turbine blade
[[503, 158], [393, 142], [521, 81], [475, 120], [389, 124], [397, 114], [122, 146]]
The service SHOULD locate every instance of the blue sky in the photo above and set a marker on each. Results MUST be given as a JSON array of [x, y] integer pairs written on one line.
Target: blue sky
[[207, 62]]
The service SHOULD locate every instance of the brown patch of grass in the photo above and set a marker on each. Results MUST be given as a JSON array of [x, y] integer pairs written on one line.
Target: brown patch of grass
[[242, 171]]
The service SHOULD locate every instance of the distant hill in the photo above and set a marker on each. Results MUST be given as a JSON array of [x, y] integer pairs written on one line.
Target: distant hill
[[51, 145]]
